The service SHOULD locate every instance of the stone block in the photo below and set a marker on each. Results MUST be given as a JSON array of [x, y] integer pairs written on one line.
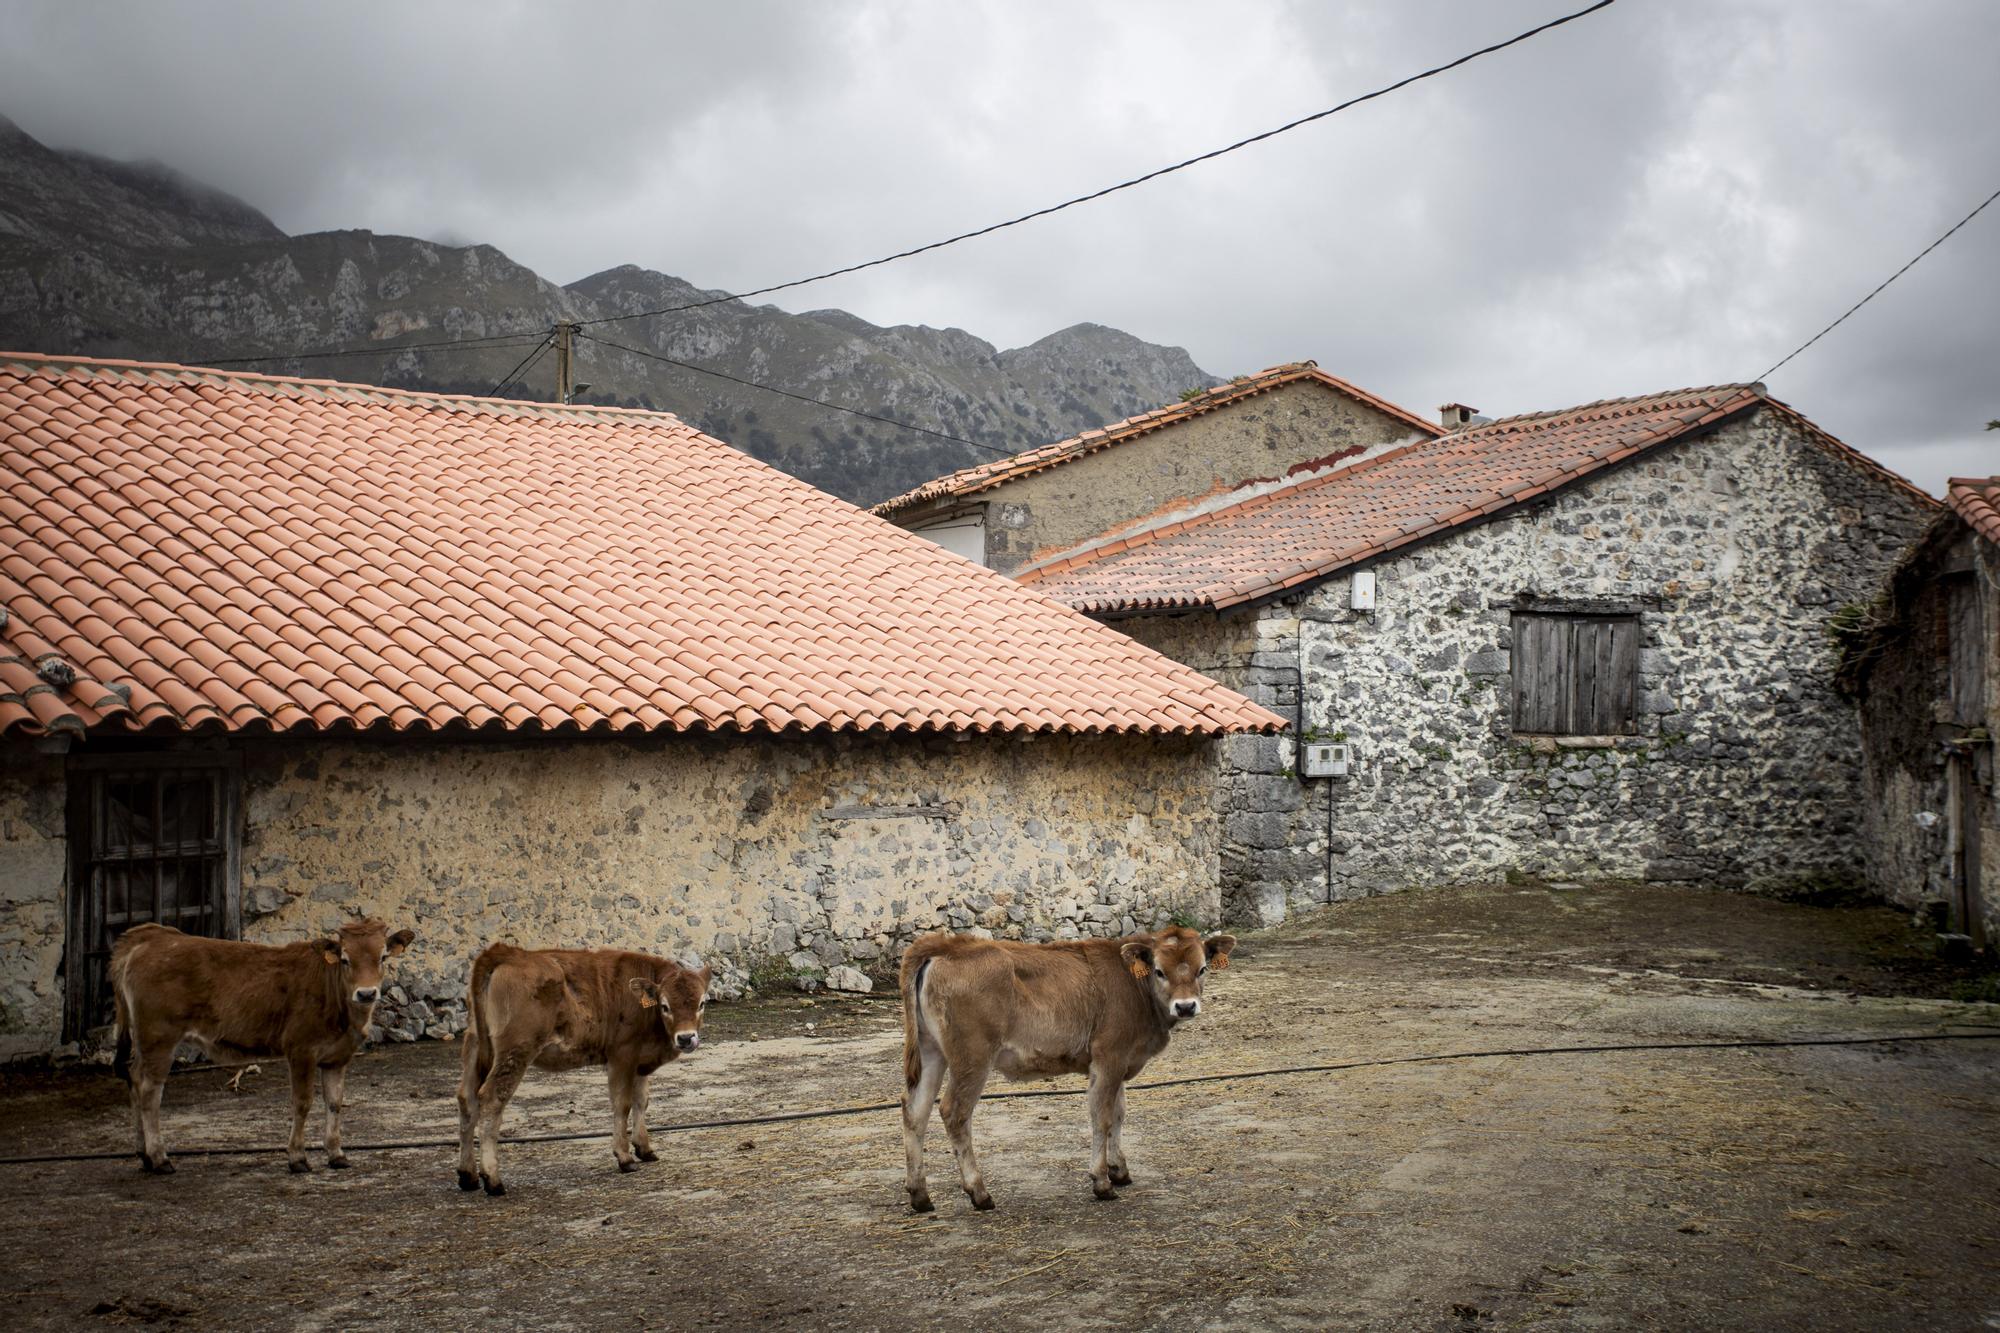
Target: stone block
[[849, 979], [1278, 796], [1257, 830], [1257, 754]]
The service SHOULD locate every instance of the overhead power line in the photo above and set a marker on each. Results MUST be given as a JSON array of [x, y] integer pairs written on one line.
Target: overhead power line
[[1885, 282], [1384, 91], [525, 362], [798, 397], [519, 339], [498, 339]]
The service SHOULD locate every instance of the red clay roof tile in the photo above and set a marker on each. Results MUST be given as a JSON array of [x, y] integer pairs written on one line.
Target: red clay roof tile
[[245, 551], [1977, 501], [1241, 552]]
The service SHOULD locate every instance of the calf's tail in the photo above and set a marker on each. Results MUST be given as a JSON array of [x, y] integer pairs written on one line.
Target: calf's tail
[[121, 1062], [910, 979], [478, 1026], [121, 965]]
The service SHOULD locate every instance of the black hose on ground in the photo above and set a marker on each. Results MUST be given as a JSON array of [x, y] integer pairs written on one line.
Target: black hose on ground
[[1281, 1071]]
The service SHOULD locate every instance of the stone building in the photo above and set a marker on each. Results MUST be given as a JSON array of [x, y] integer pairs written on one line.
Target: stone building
[[1176, 461], [1585, 642], [1923, 663], [277, 651]]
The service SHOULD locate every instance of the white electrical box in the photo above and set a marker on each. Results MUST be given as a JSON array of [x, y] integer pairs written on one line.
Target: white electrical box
[[1361, 590], [1325, 759]]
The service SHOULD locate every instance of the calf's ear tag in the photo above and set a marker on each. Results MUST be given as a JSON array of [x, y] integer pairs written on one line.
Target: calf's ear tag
[[332, 958]]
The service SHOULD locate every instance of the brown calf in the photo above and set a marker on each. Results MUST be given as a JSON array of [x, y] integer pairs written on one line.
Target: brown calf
[[309, 1003], [562, 1009], [1101, 1007]]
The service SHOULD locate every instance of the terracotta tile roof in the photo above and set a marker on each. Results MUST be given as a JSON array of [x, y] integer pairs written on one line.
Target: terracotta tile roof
[[985, 476], [1300, 533], [1977, 501], [187, 549]]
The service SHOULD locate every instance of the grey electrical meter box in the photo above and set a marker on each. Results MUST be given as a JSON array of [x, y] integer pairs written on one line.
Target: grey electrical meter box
[[1325, 759]]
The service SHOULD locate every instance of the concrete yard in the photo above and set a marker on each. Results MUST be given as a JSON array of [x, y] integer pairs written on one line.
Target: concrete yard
[[1828, 1187]]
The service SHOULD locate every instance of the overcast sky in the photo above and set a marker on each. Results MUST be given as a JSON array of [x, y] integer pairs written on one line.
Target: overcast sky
[[1669, 192]]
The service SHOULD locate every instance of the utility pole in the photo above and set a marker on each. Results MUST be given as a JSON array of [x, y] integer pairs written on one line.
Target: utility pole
[[565, 383]]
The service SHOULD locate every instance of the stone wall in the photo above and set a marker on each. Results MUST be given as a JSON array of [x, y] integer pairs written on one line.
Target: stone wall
[[1273, 826], [1737, 548], [1258, 437], [797, 854], [1906, 721], [34, 850]]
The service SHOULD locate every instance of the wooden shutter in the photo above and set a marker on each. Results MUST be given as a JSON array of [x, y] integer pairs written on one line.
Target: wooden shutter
[[1540, 651], [1575, 675]]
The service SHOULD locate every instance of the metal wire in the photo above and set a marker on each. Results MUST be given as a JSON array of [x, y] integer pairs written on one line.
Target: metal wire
[[1281, 1071]]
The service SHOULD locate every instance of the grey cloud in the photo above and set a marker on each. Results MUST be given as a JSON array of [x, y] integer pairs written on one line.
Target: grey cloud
[[1662, 194]]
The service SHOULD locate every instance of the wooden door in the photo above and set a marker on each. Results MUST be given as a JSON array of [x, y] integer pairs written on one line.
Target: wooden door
[[152, 838]]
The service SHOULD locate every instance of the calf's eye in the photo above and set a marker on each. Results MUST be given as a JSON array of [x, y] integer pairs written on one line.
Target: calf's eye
[[1160, 973]]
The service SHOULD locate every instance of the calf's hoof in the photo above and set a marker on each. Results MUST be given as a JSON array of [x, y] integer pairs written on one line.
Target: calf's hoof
[[983, 1202], [493, 1187], [1103, 1191], [921, 1203], [627, 1164], [300, 1167], [163, 1167], [1120, 1176], [648, 1155], [338, 1163], [467, 1181]]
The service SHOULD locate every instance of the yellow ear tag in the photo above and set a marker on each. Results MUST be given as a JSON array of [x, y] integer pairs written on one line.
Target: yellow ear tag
[[1138, 970], [1220, 962], [646, 1001], [332, 959]]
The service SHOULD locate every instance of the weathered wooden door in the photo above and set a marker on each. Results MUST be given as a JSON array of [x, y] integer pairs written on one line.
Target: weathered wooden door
[[1966, 642], [152, 838], [1967, 800]]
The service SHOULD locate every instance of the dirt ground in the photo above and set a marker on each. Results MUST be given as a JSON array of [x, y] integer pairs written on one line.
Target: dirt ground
[[1830, 1187]]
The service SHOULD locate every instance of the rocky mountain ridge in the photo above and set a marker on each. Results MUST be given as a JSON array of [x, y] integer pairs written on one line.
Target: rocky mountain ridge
[[137, 260]]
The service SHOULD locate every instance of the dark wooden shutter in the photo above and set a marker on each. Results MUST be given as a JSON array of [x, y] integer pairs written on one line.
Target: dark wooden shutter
[[1540, 650], [1575, 675]]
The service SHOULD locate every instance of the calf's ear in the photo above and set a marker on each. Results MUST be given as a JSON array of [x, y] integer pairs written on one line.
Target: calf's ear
[[401, 940], [648, 993], [1218, 947], [1138, 956]]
